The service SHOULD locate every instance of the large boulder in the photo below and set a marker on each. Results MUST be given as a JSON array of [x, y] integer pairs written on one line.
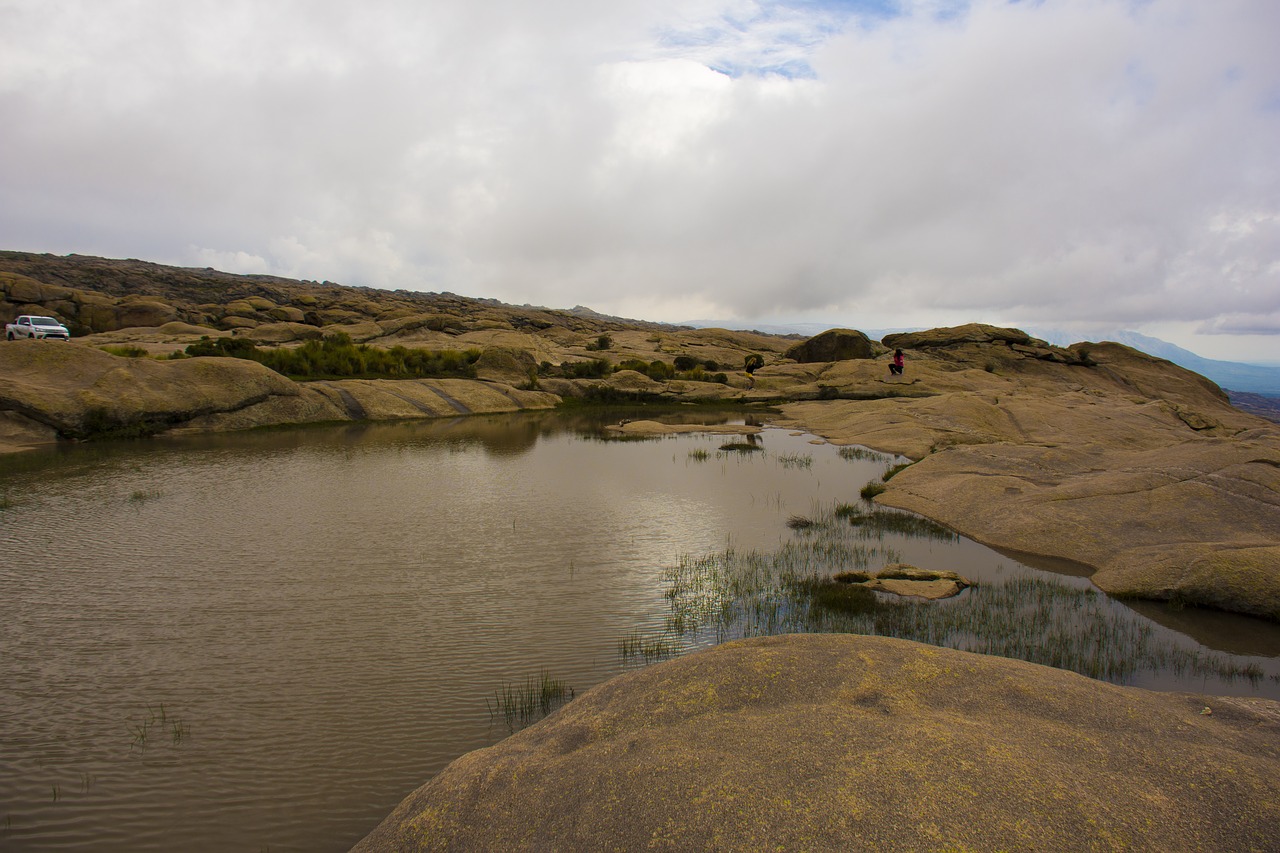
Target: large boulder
[[81, 392], [144, 312], [506, 364], [971, 333], [833, 345], [841, 742], [284, 332], [977, 337]]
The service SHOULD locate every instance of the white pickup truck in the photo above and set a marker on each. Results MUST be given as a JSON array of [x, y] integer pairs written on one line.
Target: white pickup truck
[[34, 326]]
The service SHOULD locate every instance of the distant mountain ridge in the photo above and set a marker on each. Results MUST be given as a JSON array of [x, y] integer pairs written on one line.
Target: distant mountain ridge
[[1233, 375]]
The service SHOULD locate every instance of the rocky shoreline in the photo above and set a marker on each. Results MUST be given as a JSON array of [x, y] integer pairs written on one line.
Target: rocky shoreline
[[1096, 454]]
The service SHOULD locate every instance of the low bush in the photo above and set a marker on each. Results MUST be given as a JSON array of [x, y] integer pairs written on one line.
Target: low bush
[[126, 351], [596, 368], [336, 357]]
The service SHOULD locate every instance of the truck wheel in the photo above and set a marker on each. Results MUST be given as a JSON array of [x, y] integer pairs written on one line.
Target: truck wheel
[[9, 335]]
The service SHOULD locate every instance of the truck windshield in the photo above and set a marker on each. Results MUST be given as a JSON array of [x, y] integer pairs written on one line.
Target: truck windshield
[[44, 321]]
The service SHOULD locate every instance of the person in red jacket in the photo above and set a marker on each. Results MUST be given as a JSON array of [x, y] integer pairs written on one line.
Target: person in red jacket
[[896, 367]]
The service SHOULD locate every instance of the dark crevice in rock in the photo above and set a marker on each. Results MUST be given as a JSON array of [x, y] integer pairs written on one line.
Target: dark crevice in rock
[[457, 407]]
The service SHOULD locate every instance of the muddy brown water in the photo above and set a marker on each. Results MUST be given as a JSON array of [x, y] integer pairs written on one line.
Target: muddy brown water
[[265, 641]]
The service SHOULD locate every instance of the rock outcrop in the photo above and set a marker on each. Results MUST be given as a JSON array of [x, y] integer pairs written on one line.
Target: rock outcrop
[[840, 742], [78, 392], [834, 345], [1132, 466], [55, 390], [906, 580], [1014, 340]]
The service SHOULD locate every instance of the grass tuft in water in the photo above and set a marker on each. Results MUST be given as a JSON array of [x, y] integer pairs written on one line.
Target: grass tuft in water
[[649, 647], [521, 704], [143, 495], [878, 521], [731, 594], [699, 454], [156, 717], [795, 460], [854, 453], [870, 490]]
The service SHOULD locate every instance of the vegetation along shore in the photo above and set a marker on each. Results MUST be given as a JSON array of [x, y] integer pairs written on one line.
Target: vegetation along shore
[[1095, 453]]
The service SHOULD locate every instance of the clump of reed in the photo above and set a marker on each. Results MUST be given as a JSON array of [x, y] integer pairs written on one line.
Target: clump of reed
[[699, 454], [855, 453], [521, 704], [157, 718], [648, 646], [795, 460], [143, 495], [1045, 620], [871, 489], [878, 521]]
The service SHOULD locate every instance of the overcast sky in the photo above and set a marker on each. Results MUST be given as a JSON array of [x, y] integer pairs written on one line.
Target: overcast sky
[[1080, 164]]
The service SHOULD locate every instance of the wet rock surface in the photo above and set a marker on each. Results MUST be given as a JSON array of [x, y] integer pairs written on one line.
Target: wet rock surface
[[839, 742], [911, 581]]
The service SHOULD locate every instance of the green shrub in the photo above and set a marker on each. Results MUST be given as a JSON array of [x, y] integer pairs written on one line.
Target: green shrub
[[596, 368], [685, 362], [234, 347], [660, 371], [633, 364], [126, 351], [336, 357]]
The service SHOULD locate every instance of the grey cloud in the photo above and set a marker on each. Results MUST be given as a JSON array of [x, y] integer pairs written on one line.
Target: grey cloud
[[1242, 324], [1105, 163]]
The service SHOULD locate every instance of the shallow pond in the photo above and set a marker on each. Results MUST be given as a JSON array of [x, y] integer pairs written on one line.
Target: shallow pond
[[265, 641]]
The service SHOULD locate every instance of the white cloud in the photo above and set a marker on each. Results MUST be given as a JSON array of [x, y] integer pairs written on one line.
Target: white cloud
[[1091, 161]]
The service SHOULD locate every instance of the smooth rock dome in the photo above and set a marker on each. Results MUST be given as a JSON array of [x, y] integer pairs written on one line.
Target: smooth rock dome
[[842, 742], [833, 345]]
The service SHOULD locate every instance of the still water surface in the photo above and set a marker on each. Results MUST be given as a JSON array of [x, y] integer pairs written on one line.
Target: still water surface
[[265, 641]]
